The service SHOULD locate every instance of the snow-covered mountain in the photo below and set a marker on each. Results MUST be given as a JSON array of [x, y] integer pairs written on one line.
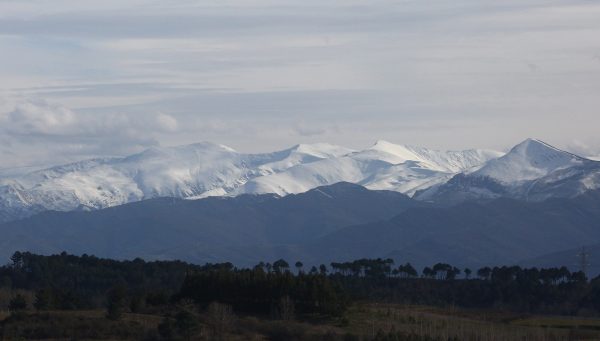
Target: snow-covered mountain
[[533, 170], [383, 166], [196, 170], [207, 169], [529, 160]]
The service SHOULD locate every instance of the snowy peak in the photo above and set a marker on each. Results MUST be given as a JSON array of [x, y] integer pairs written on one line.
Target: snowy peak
[[400, 151], [300, 154], [529, 160], [531, 169], [539, 151], [180, 152], [190, 171], [384, 166], [395, 153], [321, 150], [405, 152], [442, 161]]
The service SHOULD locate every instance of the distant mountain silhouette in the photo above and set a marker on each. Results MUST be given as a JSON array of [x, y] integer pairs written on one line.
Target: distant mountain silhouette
[[210, 229], [332, 223], [495, 232]]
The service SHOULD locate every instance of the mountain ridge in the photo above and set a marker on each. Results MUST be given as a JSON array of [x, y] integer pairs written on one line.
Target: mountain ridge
[[206, 169], [339, 222], [532, 170], [174, 228]]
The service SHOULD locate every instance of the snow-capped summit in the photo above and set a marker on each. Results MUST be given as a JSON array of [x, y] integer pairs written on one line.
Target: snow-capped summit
[[384, 165], [322, 150], [393, 153], [530, 159], [441, 161], [190, 171], [191, 150], [532, 170], [207, 169], [300, 154]]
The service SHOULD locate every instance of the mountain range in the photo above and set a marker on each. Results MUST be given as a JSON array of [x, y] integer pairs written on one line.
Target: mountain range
[[317, 203], [206, 169], [332, 223], [532, 171]]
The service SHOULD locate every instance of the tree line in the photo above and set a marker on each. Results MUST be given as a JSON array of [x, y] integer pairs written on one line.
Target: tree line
[[63, 281]]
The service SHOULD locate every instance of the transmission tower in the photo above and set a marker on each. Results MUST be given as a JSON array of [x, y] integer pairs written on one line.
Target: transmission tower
[[584, 262]]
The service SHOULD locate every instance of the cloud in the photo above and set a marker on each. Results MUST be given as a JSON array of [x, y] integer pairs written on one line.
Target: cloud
[[32, 129], [41, 118], [306, 130], [39, 132], [38, 118], [581, 148], [166, 122], [265, 74]]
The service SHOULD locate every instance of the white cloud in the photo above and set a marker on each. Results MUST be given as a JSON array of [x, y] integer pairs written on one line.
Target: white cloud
[[38, 118], [265, 74], [581, 148], [38, 132], [166, 122]]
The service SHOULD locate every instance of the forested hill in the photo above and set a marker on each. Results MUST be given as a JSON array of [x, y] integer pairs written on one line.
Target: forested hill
[[501, 231], [240, 230], [328, 224]]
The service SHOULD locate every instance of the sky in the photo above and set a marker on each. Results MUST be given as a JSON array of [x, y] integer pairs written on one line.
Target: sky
[[82, 79]]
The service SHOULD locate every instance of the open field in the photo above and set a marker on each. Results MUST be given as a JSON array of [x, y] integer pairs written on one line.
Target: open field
[[363, 321], [442, 324]]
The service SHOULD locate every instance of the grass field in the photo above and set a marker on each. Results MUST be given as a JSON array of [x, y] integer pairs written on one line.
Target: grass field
[[369, 318], [363, 321]]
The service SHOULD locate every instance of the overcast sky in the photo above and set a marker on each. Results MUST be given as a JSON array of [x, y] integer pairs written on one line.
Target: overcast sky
[[80, 79]]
